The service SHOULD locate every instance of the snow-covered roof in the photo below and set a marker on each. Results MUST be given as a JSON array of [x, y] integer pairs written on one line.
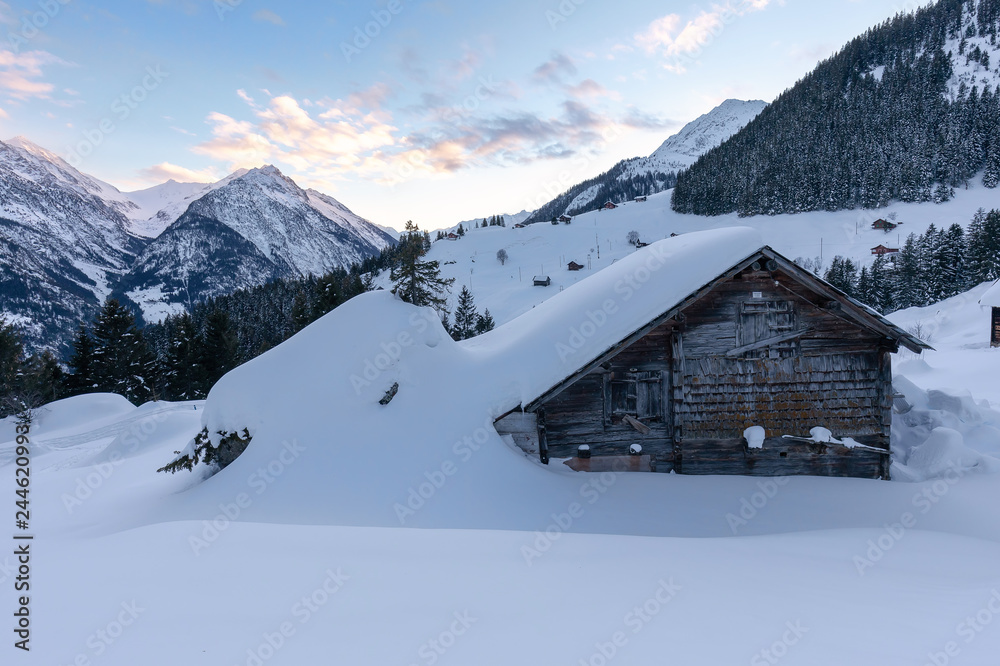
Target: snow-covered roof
[[560, 338], [552, 341], [992, 296]]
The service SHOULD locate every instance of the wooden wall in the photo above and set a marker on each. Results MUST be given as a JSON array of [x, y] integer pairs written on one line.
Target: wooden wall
[[577, 415], [759, 349], [995, 338]]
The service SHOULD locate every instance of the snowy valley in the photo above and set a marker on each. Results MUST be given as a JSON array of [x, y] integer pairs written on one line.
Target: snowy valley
[[684, 412]]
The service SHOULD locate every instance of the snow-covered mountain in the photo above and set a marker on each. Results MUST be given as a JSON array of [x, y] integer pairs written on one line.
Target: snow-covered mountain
[[64, 241], [68, 240], [701, 135], [641, 176], [257, 226]]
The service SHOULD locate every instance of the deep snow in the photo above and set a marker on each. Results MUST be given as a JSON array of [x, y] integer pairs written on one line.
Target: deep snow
[[304, 550]]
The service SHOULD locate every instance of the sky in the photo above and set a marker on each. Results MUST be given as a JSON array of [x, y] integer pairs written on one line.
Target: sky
[[427, 110]]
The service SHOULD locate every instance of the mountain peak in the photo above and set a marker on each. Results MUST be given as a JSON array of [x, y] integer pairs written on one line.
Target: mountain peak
[[23, 143], [706, 132]]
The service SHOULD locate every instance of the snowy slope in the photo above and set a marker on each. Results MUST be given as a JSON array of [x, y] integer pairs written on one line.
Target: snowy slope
[[546, 249]]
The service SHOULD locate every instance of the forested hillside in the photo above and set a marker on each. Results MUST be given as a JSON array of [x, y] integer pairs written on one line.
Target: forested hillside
[[908, 111]]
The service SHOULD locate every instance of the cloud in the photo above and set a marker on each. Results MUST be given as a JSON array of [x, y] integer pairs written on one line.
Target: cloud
[[554, 70], [283, 130], [637, 119], [267, 16], [4, 114], [589, 88], [20, 74], [670, 36], [166, 171], [334, 139]]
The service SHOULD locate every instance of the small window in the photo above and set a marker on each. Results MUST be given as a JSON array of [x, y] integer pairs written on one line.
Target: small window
[[763, 320], [637, 394]]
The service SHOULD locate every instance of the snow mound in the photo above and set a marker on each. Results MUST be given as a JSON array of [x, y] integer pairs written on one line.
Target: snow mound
[[942, 434], [79, 412], [755, 437], [326, 449]]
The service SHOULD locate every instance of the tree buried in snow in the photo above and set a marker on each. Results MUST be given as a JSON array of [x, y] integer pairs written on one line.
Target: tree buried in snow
[[226, 448], [389, 394]]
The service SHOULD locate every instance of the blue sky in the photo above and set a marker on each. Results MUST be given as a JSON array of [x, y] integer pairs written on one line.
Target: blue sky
[[432, 110]]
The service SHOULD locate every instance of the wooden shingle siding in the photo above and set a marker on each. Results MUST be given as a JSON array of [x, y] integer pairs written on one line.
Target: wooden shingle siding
[[774, 349], [733, 457], [725, 396], [995, 338]]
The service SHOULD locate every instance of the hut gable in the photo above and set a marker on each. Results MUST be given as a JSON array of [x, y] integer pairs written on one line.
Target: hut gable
[[758, 343]]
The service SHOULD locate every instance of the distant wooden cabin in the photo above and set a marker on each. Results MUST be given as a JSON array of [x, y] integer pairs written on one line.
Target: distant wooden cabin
[[542, 280], [573, 266], [765, 344], [610, 205], [884, 225], [452, 236], [991, 299], [519, 226], [640, 199], [639, 244], [565, 219], [882, 250]]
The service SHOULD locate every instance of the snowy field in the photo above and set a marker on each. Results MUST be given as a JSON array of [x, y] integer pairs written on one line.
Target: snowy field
[[546, 249], [352, 533]]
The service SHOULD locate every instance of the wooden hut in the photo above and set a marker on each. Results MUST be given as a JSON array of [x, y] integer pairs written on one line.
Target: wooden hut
[[565, 219], [610, 205], [884, 225], [573, 266], [764, 370], [882, 250], [542, 280], [991, 299]]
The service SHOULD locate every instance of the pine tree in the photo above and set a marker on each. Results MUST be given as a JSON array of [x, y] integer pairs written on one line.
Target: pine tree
[[328, 295], [11, 358], [909, 290], [864, 291], [950, 260], [82, 378], [485, 322], [843, 275], [218, 351], [181, 363], [42, 380], [416, 281], [122, 363], [465, 316]]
